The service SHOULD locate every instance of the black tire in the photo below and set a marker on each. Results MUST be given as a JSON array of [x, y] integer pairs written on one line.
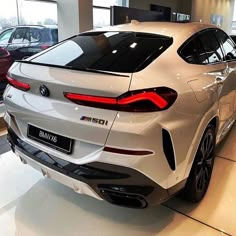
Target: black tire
[[200, 174]]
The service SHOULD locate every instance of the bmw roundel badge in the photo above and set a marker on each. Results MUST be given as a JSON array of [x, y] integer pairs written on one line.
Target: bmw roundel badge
[[44, 91]]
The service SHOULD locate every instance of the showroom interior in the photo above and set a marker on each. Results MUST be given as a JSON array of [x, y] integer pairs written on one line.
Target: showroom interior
[[34, 204]]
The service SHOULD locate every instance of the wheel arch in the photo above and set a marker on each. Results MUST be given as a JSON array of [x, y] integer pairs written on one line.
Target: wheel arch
[[213, 120]]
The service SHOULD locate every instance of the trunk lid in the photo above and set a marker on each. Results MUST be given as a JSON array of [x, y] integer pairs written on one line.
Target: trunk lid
[[56, 113]]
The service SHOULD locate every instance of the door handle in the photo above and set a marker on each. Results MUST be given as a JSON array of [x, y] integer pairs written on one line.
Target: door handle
[[219, 80]]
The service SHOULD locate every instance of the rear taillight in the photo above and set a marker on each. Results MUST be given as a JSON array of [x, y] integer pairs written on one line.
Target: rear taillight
[[45, 46], [18, 84], [4, 52], [148, 100]]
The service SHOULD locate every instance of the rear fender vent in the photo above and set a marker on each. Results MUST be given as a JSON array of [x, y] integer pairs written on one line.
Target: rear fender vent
[[168, 149]]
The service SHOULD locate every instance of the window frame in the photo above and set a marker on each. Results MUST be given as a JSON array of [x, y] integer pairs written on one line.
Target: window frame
[[214, 36], [13, 34], [39, 33], [5, 31], [222, 47], [197, 35]]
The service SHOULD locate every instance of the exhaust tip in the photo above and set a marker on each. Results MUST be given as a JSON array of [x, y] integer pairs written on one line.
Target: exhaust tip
[[126, 200]]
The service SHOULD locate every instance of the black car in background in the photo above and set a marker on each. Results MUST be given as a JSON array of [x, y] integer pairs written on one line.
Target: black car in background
[[24, 41]]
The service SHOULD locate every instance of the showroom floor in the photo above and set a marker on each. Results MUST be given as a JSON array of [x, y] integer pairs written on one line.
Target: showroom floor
[[32, 205]]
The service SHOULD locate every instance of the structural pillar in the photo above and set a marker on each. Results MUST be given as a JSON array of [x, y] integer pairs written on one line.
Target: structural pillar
[[74, 16]]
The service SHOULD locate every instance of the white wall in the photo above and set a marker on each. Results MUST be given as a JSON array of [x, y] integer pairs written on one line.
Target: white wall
[[202, 9], [74, 16]]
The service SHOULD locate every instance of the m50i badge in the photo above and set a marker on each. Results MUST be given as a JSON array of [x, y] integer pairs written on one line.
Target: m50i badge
[[94, 120]]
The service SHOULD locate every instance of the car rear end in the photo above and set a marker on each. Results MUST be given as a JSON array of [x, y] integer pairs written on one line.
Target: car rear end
[[72, 115]]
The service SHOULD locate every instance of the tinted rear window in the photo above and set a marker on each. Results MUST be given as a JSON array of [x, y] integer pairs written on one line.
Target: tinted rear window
[[107, 51]]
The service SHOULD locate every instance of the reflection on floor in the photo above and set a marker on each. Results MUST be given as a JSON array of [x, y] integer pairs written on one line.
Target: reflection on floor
[[33, 206]]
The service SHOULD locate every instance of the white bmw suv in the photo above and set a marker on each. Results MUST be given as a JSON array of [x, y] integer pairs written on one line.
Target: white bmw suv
[[130, 114]]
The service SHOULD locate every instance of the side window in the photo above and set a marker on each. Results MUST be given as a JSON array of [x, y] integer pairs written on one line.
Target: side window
[[34, 35], [211, 46], [227, 44], [21, 35], [193, 52], [189, 53], [5, 36], [54, 33]]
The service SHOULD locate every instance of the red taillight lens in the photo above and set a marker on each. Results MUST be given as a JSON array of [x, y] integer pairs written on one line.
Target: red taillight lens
[[3, 52], [45, 46], [79, 98], [18, 84], [152, 97], [134, 101]]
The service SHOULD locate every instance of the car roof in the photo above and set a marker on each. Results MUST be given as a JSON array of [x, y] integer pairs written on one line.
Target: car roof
[[33, 26], [22, 26], [162, 28], [51, 26]]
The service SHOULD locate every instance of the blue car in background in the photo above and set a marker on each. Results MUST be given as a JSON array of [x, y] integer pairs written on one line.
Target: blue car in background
[[24, 41]]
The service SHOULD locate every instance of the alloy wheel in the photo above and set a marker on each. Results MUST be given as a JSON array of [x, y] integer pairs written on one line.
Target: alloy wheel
[[205, 162]]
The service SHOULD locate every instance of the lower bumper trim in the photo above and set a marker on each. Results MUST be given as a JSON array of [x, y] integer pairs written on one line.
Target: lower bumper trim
[[117, 184]]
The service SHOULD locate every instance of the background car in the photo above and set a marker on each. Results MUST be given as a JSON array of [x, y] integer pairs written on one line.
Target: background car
[[5, 63], [24, 41], [130, 113]]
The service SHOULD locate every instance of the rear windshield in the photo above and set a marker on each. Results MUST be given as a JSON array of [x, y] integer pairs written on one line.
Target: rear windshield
[[107, 51]]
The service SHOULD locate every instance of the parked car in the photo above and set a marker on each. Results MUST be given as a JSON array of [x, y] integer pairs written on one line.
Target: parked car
[[24, 41], [5, 63], [130, 114]]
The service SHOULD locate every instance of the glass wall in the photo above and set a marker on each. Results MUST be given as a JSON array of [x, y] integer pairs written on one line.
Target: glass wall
[[8, 14], [44, 12], [21, 12], [38, 12], [101, 11]]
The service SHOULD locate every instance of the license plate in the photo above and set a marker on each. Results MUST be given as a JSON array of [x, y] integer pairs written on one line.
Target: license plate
[[53, 140]]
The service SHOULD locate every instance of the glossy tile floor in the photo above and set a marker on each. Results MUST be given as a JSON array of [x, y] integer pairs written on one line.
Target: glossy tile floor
[[33, 206]]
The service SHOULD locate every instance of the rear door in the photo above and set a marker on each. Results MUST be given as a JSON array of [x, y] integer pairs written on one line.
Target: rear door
[[230, 57], [214, 82], [19, 39], [222, 76]]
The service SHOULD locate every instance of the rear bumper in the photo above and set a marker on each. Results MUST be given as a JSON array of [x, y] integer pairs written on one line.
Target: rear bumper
[[117, 184]]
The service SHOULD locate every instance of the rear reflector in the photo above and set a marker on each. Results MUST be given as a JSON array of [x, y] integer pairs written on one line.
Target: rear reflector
[[128, 152], [18, 84], [45, 46], [148, 100], [4, 52]]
